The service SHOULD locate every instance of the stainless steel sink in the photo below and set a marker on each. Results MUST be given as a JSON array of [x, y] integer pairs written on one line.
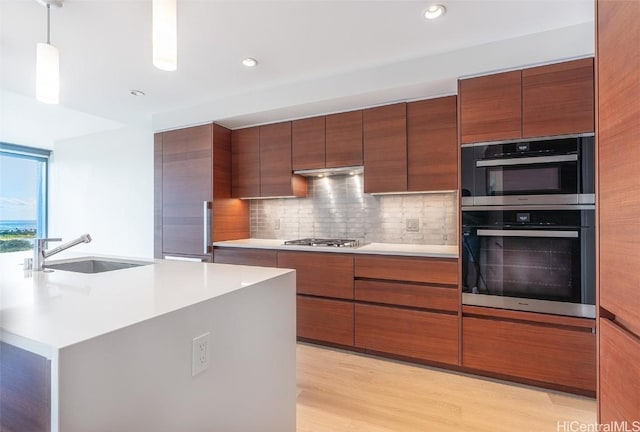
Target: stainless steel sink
[[92, 265]]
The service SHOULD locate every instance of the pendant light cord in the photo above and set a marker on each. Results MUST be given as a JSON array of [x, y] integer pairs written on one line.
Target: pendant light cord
[[48, 23]]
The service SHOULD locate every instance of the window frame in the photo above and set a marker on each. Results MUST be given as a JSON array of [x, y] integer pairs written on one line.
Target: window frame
[[39, 155]]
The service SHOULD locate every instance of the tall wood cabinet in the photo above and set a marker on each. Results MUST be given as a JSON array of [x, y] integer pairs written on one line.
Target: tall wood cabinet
[[618, 63], [193, 204]]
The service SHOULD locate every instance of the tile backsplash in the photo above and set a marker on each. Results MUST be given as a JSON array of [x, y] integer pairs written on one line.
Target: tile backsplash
[[336, 207]]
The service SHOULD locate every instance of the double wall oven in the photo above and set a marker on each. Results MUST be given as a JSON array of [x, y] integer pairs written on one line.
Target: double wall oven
[[528, 225]]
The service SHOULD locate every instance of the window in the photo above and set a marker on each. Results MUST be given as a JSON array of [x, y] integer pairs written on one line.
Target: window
[[23, 196]]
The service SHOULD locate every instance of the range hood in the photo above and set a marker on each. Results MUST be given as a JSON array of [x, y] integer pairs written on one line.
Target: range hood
[[326, 172]]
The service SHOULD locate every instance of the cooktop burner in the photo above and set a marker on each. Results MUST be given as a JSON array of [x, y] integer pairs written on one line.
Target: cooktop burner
[[324, 242]]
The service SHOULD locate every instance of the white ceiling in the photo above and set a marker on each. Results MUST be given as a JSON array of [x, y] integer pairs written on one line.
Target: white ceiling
[[315, 56]]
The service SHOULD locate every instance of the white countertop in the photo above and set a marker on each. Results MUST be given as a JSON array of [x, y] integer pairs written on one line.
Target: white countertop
[[434, 251], [52, 310]]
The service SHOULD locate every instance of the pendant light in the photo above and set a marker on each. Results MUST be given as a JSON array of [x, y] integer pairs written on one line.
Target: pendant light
[[48, 65], [165, 34]]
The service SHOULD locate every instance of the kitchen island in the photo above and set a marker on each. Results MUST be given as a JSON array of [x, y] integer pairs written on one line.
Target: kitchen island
[[119, 344]]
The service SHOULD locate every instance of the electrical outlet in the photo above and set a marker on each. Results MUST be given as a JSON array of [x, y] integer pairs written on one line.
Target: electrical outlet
[[200, 353], [276, 225], [413, 225]]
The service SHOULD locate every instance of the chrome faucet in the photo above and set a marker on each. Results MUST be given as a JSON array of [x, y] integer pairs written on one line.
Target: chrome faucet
[[40, 254]]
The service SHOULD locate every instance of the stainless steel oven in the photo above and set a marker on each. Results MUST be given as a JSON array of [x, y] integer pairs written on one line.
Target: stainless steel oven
[[529, 172], [530, 259]]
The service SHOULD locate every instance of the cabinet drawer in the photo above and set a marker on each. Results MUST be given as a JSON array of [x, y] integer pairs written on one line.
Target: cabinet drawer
[[427, 270], [252, 257], [619, 374], [416, 334], [325, 320], [405, 294], [320, 274], [528, 350]]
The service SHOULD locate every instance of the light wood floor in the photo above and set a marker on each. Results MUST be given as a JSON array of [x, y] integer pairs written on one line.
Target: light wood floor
[[340, 392]]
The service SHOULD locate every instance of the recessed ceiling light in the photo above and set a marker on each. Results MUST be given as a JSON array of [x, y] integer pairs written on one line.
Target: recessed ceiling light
[[434, 11], [136, 93], [250, 62]]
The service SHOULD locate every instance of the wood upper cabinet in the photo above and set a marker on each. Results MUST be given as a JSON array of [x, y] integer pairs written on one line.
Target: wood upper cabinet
[[275, 160], [432, 144], [320, 274], [327, 142], [558, 99], [491, 107], [385, 148], [193, 167], [262, 164], [344, 139], [308, 143], [245, 158]]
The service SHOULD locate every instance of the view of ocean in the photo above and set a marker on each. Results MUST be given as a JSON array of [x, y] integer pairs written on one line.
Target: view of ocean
[[11, 225]]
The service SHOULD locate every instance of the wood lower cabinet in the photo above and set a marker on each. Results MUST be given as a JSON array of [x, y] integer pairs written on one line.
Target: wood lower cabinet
[[325, 320], [407, 307], [344, 139], [619, 374], [558, 99], [410, 333], [385, 148], [320, 274], [411, 269], [407, 294], [491, 107], [558, 355], [432, 144], [241, 256]]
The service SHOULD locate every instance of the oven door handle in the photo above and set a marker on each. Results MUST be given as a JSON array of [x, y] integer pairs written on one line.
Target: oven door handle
[[526, 160], [527, 233]]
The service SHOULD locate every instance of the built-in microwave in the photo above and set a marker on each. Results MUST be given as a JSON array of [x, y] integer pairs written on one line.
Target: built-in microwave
[[530, 259], [558, 170]]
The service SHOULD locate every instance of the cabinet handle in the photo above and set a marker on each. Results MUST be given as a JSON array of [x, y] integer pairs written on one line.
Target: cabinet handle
[[206, 218], [526, 233], [526, 160]]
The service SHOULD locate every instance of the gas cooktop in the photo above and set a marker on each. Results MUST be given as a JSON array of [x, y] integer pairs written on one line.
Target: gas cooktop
[[324, 242]]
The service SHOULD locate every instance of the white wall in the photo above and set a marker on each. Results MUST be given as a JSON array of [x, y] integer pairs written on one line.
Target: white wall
[[102, 184]]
